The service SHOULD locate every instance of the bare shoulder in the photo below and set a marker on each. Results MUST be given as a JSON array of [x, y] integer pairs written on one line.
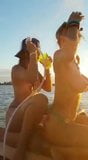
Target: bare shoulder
[[57, 53], [57, 56], [18, 71], [17, 68]]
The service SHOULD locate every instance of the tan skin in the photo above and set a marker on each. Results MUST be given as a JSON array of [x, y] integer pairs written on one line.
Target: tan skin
[[69, 83], [21, 79], [66, 134], [62, 131], [69, 134], [33, 110]]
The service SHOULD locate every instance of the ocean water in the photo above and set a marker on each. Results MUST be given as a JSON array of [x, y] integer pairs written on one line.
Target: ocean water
[[6, 97]]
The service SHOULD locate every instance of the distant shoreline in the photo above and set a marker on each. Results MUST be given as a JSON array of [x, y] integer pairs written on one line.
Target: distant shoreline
[[5, 83], [9, 83]]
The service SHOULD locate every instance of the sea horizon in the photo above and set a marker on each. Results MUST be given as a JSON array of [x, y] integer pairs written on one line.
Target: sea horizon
[[6, 97]]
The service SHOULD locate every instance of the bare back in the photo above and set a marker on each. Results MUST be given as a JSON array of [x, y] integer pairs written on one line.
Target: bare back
[[69, 83]]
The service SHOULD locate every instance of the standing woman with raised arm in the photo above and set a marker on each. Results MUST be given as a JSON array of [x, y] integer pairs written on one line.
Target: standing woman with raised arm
[[69, 83]]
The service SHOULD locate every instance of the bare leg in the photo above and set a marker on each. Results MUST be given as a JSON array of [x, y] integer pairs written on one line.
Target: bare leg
[[66, 134], [33, 156], [68, 140], [70, 153], [75, 135], [32, 117], [16, 123], [10, 140]]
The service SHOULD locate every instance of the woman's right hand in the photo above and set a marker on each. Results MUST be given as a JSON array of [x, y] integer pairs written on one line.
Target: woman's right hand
[[75, 16], [72, 30], [31, 47]]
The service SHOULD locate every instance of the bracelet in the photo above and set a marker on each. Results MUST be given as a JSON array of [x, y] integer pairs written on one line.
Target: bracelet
[[32, 53], [73, 25], [74, 22]]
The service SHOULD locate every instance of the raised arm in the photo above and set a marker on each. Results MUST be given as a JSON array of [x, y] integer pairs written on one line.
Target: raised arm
[[47, 85], [32, 65], [68, 36]]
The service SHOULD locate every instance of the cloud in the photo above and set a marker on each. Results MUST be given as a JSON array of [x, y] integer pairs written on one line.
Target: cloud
[[74, 4]]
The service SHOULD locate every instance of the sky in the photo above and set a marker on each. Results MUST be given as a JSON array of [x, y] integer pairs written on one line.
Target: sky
[[40, 19]]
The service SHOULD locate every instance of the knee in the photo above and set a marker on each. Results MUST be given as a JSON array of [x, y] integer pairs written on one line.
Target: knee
[[40, 99], [38, 107], [40, 103]]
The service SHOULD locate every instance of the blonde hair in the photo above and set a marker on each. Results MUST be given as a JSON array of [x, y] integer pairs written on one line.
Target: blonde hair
[[70, 31]]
